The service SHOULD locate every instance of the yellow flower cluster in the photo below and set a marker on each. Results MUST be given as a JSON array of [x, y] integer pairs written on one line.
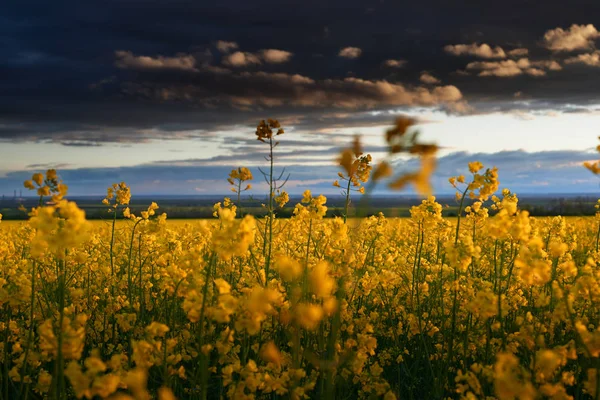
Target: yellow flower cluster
[[233, 238], [282, 198], [264, 130], [118, 194], [242, 173], [48, 185], [311, 207], [237, 177], [482, 186], [357, 168]]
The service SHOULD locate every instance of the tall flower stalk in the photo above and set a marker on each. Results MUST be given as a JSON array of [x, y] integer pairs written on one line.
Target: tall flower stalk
[[237, 179], [117, 195], [48, 185], [357, 170], [265, 132]]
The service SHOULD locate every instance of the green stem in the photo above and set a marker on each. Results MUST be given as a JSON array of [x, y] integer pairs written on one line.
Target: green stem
[[59, 368], [5, 378], [129, 271], [347, 200], [239, 198], [269, 241], [203, 367], [597, 242], [31, 315], [331, 341], [112, 274], [31, 323], [455, 287], [112, 243]]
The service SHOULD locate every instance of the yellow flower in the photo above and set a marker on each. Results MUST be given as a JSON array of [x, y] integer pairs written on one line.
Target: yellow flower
[[38, 178], [282, 199], [264, 130], [475, 167], [270, 353], [382, 171], [222, 286], [51, 175], [306, 196], [44, 382], [389, 396], [419, 179], [322, 284], [288, 268], [309, 315], [508, 379], [594, 167], [164, 393], [590, 384], [156, 329], [356, 166], [43, 191], [118, 191], [239, 176]]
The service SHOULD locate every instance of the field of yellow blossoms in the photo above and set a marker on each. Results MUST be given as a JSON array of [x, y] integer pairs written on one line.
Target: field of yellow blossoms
[[493, 304]]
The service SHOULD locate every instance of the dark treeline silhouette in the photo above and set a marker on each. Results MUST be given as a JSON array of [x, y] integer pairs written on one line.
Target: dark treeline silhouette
[[191, 207], [578, 206]]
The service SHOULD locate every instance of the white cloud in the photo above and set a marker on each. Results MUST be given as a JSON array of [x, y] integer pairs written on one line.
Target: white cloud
[[270, 56], [547, 64], [225, 47], [241, 59], [127, 60], [275, 56], [535, 72], [281, 77], [251, 89], [482, 51], [591, 59], [350, 52], [462, 72], [577, 37], [356, 92], [520, 52], [506, 68], [426, 77], [395, 63], [510, 68]]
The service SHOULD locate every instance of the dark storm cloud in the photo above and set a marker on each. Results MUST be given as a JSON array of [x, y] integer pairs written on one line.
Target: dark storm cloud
[[48, 166], [520, 171], [124, 70], [72, 143], [171, 179]]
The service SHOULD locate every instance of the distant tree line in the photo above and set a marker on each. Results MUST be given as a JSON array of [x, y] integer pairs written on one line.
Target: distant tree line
[[578, 206], [574, 206]]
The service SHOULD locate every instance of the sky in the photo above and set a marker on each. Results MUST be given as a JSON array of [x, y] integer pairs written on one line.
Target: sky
[[166, 95]]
